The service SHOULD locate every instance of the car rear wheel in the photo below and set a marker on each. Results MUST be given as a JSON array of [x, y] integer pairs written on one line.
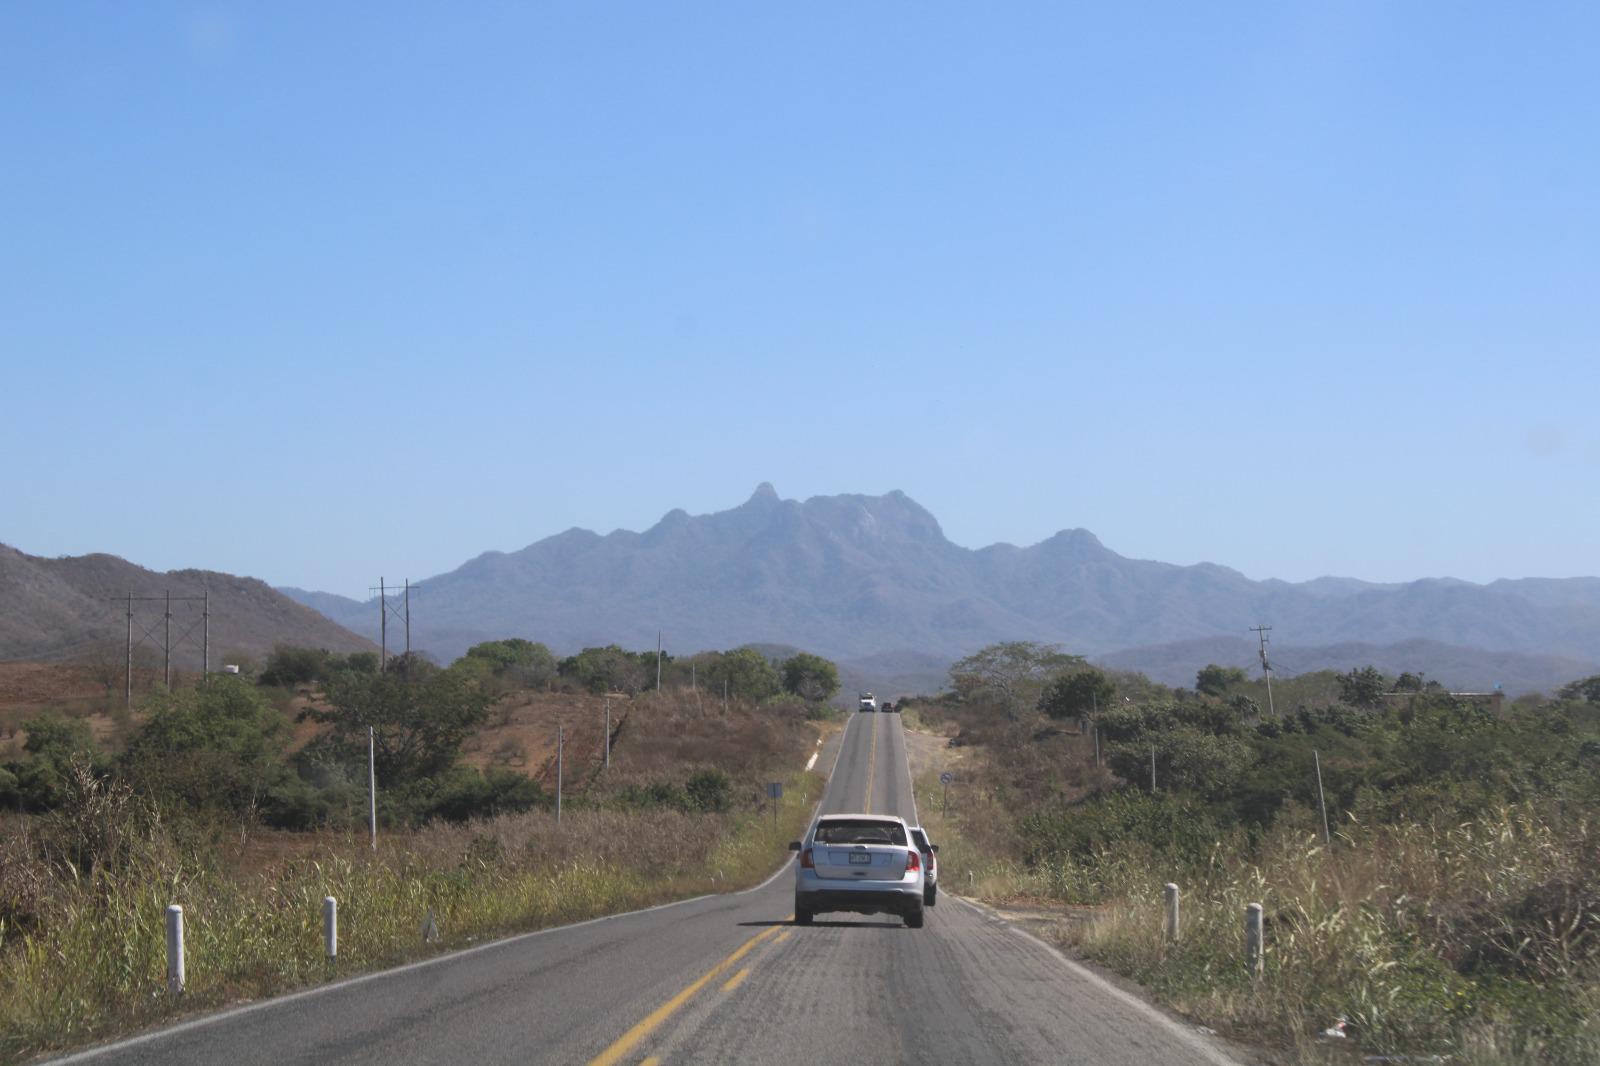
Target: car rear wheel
[[931, 895], [801, 915], [914, 918]]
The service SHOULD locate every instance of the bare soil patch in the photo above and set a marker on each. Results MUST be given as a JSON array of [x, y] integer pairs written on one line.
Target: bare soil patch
[[32, 684]]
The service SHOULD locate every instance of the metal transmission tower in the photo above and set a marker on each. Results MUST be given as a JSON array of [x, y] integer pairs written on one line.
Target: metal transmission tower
[[401, 609], [164, 640], [1266, 668]]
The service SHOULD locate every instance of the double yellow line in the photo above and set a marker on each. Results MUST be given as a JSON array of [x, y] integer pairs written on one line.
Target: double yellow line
[[872, 764], [652, 1021], [629, 1041]]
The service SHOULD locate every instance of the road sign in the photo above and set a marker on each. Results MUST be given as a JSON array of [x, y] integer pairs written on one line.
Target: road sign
[[774, 793], [946, 777]]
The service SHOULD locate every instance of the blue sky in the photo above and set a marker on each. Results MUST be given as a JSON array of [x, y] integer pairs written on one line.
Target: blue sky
[[321, 292]]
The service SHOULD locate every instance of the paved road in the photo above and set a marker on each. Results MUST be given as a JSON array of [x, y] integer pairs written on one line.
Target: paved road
[[723, 979]]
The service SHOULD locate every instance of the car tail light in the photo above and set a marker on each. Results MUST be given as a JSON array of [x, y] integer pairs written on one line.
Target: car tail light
[[912, 862], [805, 860]]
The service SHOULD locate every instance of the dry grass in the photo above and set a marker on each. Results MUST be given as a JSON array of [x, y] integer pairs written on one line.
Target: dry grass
[[82, 944], [1479, 941], [82, 891]]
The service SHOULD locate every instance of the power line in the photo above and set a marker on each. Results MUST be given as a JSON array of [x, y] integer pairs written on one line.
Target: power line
[[164, 641], [402, 613]]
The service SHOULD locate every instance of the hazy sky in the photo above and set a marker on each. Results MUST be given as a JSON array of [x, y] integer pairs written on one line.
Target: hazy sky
[[318, 292]]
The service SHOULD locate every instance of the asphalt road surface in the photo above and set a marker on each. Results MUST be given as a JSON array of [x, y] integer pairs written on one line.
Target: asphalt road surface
[[722, 979]]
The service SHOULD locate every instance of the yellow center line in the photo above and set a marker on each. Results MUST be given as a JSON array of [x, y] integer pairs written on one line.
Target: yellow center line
[[781, 937], [653, 1060], [733, 982], [872, 764], [649, 1023]]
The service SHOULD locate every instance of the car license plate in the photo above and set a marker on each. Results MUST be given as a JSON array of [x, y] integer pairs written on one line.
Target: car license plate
[[860, 858]]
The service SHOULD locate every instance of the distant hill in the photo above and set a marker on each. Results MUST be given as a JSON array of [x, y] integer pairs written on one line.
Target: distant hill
[[852, 577], [63, 608], [1461, 669]]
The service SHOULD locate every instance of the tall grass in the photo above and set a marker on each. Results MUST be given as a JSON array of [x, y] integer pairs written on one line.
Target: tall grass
[[82, 950], [1479, 940]]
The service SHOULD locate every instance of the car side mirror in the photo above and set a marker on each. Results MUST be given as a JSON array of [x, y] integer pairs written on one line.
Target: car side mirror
[[933, 847], [794, 845]]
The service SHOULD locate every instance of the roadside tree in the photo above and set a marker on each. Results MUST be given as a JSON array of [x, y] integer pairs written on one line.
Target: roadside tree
[[610, 669], [1586, 689], [1011, 675], [1363, 688], [749, 674], [1080, 694], [420, 716], [811, 677], [1214, 680], [220, 746]]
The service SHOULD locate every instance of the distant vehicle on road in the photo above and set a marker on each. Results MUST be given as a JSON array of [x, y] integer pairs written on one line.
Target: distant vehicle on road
[[930, 864], [888, 707], [862, 863], [867, 702]]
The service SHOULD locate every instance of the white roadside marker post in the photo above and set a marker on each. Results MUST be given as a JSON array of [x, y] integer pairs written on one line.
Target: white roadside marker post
[[1171, 894], [175, 949], [1253, 938], [330, 926]]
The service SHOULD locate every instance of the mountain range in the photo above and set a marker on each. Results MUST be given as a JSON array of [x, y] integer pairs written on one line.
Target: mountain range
[[874, 577], [74, 607]]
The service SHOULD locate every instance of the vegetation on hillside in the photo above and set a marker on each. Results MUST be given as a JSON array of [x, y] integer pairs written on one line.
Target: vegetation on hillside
[[1453, 911]]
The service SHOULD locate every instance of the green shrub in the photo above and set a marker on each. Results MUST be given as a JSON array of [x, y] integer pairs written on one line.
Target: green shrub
[[220, 746], [710, 790]]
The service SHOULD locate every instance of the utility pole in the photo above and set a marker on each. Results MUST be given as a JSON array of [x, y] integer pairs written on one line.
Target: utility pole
[[561, 745], [1266, 670], [148, 633], [372, 787], [724, 695], [383, 627], [205, 637], [608, 732], [1152, 769], [402, 613], [127, 696], [658, 661], [1094, 702], [1322, 800]]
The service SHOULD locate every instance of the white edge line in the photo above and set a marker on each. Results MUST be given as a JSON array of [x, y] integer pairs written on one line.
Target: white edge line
[[451, 956], [1188, 1036], [911, 781]]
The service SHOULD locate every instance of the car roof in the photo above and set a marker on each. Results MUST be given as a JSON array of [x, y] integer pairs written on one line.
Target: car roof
[[858, 817]]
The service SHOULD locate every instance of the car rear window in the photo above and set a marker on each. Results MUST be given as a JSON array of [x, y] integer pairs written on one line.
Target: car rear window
[[860, 831]]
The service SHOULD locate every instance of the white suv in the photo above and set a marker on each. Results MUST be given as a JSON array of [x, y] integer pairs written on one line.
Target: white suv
[[930, 863], [863, 863]]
